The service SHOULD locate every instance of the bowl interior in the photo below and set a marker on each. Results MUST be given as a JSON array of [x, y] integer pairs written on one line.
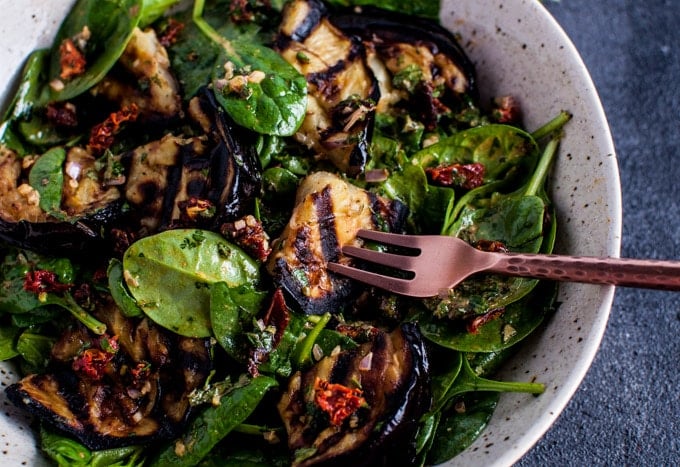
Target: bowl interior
[[519, 50]]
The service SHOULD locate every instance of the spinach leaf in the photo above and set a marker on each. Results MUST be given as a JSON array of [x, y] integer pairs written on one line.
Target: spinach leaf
[[67, 451], [518, 221], [119, 292], [8, 337], [35, 350], [266, 94], [14, 299], [169, 275], [458, 429], [215, 422], [518, 320], [21, 108], [110, 24], [503, 150], [47, 178], [425, 8], [469, 381], [230, 309]]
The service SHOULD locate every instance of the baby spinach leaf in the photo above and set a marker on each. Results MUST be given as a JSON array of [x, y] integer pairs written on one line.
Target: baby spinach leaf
[[120, 294], [169, 275], [275, 105], [35, 350], [110, 24], [517, 321], [215, 422], [518, 221], [503, 150], [458, 429], [267, 94], [47, 178], [230, 309], [8, 337], [425, 8]]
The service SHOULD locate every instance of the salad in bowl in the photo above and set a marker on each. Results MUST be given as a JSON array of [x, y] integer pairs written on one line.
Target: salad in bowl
[[176, 180]]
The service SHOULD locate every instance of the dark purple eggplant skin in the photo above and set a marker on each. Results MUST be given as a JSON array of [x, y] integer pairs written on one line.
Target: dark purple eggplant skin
[[235, 179], [87, 234]]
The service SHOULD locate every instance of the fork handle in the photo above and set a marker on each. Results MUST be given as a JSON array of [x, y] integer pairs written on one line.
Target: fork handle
[[641, 273]]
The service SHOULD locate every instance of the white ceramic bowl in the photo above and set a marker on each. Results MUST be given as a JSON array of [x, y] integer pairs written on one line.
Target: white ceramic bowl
[[518, 49]]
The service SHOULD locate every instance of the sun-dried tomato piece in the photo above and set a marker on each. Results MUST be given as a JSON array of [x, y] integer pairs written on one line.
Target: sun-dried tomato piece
[[71, 60], [491, 245], [43, 281], [338, 401], [506, 110], [102, 135], [93, 362], [249, 234], [62, 114], [466, 176], [473, 324]]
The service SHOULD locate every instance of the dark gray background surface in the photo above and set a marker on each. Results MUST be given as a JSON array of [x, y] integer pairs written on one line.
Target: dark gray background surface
[[627, 410]]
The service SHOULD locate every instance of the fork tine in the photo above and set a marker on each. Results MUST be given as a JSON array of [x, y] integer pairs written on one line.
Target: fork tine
[[394, 284], [386, 259], [408, 241]]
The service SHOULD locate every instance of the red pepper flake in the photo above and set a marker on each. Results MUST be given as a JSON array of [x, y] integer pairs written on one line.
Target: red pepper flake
[[491, 245], [93, 362], [467, 176], [140, 372], [506, 110], [475, 323], [101, 136], [71, 60], [43, 281], [170, 32], [337, 400]]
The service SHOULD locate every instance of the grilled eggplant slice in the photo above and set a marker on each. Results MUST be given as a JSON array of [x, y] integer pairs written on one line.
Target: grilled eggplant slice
[[390, 374], [146, 81], [88, 204], [327, 215], [200, 181], [342, 91], [127, 387], [419, 63]]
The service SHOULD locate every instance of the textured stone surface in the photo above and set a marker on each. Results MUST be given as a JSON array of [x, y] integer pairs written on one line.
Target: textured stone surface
[[627, 411]]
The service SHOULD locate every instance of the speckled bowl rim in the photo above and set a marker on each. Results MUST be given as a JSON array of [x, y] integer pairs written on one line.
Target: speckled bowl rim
[[519, 50]]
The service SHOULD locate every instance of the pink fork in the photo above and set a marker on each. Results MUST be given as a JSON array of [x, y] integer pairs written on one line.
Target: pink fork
[[442, 262]]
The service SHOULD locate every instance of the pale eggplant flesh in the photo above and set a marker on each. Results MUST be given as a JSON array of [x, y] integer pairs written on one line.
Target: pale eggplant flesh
[[342, 91], [392, 372], [328, 213], [200, 181], [140, 395], [436, 77]]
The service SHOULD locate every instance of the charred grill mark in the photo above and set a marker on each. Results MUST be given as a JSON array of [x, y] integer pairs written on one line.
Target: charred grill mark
[[174, 178], [330, 247], [342, 368]]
